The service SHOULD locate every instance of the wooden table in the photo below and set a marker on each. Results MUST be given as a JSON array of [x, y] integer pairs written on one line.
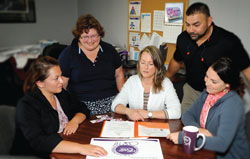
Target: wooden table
[[87, 130]]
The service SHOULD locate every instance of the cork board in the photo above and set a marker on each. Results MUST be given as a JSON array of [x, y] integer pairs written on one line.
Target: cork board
[[148, 6]]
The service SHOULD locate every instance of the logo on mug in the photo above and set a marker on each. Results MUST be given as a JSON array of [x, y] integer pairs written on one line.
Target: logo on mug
[[187, 140]]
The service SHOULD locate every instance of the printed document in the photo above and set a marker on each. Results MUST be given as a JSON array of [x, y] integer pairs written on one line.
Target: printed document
[[129, 148], [155, 132], [131, 129], [118, 129]]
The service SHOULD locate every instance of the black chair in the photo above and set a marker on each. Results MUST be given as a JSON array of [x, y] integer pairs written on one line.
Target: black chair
[[53, 50], [164, 50], [7, 128], [10, 83], [129, 68], [248, 127], [7, 133]]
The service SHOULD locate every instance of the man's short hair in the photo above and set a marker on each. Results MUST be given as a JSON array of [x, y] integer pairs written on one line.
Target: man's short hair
[[198, 8]]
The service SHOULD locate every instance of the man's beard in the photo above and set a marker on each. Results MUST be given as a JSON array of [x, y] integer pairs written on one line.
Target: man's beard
[[199, 35]]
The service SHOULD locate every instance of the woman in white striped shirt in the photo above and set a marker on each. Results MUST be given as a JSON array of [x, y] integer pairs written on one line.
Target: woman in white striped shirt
[[149, 94]]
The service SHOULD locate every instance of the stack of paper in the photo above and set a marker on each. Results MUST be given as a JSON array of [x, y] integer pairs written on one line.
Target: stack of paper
[[134, 129]]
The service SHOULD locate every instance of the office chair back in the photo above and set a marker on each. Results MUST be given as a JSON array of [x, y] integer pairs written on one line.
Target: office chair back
[[164, 49], [7, 128], [54, 50], [248, 127], [11, 83]]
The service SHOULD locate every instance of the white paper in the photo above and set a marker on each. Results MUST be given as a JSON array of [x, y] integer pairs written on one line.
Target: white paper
[[155, 132], [146, 22], [134, 24], [21, 54], [134, 39], [156, 40], [171, 33], [22, 59], [158, 21], [133, 54], [134, 8], [118, 129], [129, 148], [144, 41]]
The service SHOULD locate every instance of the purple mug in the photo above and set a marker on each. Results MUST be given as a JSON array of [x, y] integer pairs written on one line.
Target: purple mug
[[190, 135]]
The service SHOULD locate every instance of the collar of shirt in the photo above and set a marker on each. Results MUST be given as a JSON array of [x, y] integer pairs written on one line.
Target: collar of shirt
[[79, 49]]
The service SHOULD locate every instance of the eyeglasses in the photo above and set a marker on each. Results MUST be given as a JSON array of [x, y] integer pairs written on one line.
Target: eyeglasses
[[92, 37]]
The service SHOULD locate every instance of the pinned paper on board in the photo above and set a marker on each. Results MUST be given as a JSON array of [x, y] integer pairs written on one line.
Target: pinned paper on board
[[144, 41], [134, 39], [135, 8], [146, 22], [134, 24], [156, 40], [171, 33], [158, 21], [174, 13], [133, 54]]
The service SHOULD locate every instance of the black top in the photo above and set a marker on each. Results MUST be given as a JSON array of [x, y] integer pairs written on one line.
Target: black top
[[87, 80], [39, 122], [198, 59]]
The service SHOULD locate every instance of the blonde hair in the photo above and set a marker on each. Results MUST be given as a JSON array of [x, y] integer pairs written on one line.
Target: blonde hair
[[158, 62]]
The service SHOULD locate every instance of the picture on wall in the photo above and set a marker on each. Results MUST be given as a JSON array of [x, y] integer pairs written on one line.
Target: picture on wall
[[174, 13], [17, 11]]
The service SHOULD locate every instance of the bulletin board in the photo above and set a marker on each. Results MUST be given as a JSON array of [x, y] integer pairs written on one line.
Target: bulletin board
[[149, 6]]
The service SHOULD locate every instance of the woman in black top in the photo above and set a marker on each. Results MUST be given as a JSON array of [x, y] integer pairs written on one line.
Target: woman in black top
[[47, 110]]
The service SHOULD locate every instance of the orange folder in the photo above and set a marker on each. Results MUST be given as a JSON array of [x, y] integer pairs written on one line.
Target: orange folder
[[146, 124], [150, 125]]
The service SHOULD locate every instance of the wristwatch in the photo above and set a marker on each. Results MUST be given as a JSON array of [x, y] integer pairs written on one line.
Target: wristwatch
[[150, 114]]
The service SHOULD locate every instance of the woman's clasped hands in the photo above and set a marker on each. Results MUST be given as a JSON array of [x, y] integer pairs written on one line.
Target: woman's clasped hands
[[137, 114]]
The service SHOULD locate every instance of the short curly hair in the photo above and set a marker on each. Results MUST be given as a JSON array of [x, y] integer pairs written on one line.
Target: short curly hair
[[86, 22]]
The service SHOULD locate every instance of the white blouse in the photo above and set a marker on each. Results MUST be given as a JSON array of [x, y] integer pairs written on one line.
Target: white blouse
[[132, 94], [63, 119]]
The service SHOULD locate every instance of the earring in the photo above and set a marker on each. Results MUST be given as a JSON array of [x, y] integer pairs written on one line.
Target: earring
[[226, 89]]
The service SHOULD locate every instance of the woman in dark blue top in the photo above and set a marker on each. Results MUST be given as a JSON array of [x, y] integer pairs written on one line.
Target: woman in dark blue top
[[91, 68]]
